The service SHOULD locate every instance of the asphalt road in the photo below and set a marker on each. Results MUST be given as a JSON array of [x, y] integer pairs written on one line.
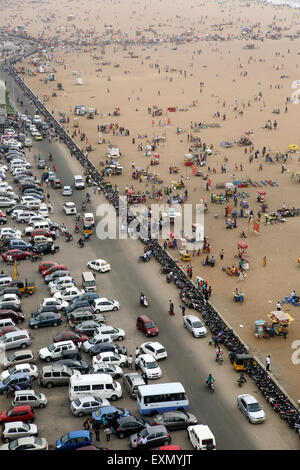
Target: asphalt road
[[189, 360]]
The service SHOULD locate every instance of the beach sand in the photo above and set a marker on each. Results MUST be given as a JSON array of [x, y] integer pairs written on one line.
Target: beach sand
[[221, 65]]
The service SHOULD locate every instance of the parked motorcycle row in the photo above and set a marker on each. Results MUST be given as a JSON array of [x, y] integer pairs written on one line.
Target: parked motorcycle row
[[189, 294]]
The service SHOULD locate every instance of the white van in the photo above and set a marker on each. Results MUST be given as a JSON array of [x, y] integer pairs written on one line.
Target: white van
[[201, 437], [33, 204], [98, 385], [88, 218], [41, 225], [79, 182], [5, 281], [88, 282]]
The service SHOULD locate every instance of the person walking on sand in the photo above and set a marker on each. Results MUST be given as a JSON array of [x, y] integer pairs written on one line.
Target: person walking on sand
[[171, 308], [264, 261], [268, 362], [222, 254]]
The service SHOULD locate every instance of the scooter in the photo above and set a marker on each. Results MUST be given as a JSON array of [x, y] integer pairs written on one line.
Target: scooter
[[210, 386], [241, 380], [76, 230], [144, 301], [80, 243]]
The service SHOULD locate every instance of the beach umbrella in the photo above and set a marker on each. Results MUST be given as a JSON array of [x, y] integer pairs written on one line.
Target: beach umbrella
[[261, 192], [293, 147], [242, 245]]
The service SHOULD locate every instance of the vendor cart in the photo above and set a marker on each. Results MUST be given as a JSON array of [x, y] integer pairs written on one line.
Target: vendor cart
[[280, 321]]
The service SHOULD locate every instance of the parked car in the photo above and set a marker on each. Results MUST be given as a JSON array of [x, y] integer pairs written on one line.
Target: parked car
[[86, 404], [106, 347], [155, 435], [99, 265], [173, 420], [73, 440], [251, 408], [77, 304], [17, 429], [77, 338], [110, 357], [81, 365], [56, 375], [116, 333], [45, 319], [149, 366], [23, 413], [109, 413], [155, 349], [18, 357], [15, 255], [87, 296], [128, 425], [131, 382], [105, 305], [21, 379], [15, 339], [102, 368], [54, 350], [69, 293], [27, 443], [29, 397], [30, 369]]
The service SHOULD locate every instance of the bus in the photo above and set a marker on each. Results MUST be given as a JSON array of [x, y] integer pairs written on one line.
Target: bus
[[154, 399]]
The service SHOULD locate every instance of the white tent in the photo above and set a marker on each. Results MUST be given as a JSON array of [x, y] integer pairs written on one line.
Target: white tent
[[79, 81]]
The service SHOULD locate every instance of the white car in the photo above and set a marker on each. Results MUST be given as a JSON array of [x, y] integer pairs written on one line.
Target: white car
[[31, 369], [251, 408], [69, 294], [67, 191], [105, 305], [26, 199], [17, 429], [10, 231], [149, 366], [43, 211], [60, 304], [61, 286], [116, 333], [28, 142], [60, 280], [54, 351], [23, 216], [86, 404], [110, 357], [99, 265], [96, 339], [194, 325], [26, 443], [155, 349], [69, 208], [10, 298]]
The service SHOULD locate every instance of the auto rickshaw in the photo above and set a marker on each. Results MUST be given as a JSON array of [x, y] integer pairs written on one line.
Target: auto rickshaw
[[76, 122], [243, 361], [185, 256], [87, 230], [27, 288], [280, 321]]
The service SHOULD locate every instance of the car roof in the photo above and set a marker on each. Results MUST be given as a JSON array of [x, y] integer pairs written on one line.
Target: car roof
[[13, 424], [82, 432], [155, 344], [192, 317], [248, 398], [147, 357]]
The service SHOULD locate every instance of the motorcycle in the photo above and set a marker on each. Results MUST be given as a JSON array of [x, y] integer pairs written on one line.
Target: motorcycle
[[35, 257], [241, 380], [144, 301], [80, 243], [210, 386], [76, 230], [169, 277], [219, 358], [68, 237]]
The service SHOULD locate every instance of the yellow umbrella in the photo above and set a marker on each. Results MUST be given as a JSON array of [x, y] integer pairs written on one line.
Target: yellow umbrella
[[293, 147]]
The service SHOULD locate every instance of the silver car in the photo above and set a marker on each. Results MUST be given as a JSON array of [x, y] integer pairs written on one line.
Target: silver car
[[251, 408], [194, 325], [86, 404], [18, 429], [67, 191]]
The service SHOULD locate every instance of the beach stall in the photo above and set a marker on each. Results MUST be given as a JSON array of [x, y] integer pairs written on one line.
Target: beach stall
[[79, 110], [90, 113]]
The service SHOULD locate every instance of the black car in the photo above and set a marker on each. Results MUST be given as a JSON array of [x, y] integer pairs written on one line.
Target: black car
[[175, 419], [88, 327], [45, 248], [10, 306], [24, 186], [17, 206], [34, 193], [45, 319], [74, 305], [80, 365], [128, 425], [11, 290], [46, 308], [104, 347], [3, 220]]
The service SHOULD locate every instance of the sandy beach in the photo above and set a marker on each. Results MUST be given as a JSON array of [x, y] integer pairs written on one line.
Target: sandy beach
[[206, 60]]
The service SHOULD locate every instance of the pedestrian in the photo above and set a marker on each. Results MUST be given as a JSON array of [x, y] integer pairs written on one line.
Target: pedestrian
[[104, 422], [137, 351], [86, 424], [222, 254], [268, 361], [107, 432], [278, 306], [130, 362], [56, 233], [96, 427], [264, 261], [284, 332], [136, 363], [145, 378], [182, 309], [209, 291], [171, 308]]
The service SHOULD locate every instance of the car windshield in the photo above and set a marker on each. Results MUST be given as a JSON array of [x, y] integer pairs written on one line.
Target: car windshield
[[254, 407], [160, 351], [51, 347], [77, 402], [64, 438], [197, 324], [151, 365], [13, 445], [144, 433], [11, 370], [7, 380], [150, 324], [11, 357]]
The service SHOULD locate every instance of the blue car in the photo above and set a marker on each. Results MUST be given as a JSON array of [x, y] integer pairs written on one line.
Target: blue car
[[73, 440], [109, 412], [20, 379], [89, 296]]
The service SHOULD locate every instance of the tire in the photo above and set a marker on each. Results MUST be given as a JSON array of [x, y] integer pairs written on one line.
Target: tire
[[180, 409], [41, 405], [166, 443], [115, 309], [117, 376], [23, 346], [122, 364], [120, 338], [113, 397], [2, 392], [48, 359], [6, 440], [80, 414], [35, 327], [49, 385], [97, 311], [55, 324]]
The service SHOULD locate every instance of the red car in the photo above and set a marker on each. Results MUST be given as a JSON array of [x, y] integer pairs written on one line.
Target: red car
[[46, 265], [9, 329], [44, 232], [70, 336], [53, 269], [18, 413], [16, 254]]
